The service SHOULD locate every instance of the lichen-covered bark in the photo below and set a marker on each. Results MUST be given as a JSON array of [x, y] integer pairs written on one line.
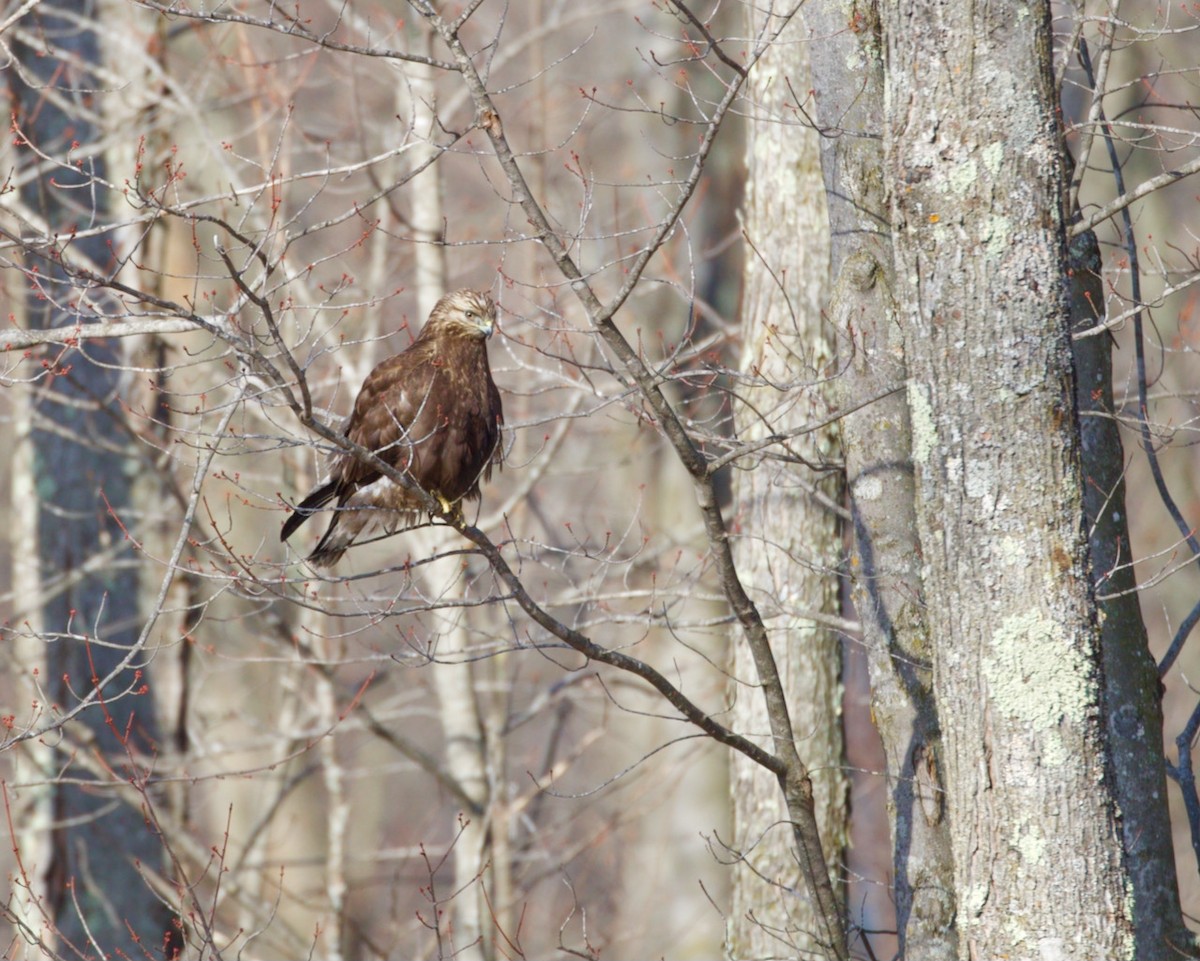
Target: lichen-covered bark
[[975, 160], [848, 76], [788, 540]]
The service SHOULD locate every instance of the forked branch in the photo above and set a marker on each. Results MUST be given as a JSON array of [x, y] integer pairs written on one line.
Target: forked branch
[[784, 761]]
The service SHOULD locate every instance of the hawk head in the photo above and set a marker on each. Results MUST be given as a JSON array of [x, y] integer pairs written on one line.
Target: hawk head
[[464, 313]]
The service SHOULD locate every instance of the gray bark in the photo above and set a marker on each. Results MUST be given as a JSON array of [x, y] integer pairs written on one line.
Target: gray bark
[[1132, 704], [975, 155], [886, 572], [791, 541]]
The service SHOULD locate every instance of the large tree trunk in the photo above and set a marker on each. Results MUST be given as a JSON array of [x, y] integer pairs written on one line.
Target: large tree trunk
[[88, 573], [790, 541], [848, 71], [975, 154]]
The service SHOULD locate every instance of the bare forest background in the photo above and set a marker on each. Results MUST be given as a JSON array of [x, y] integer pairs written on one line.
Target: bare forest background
[[229, 213]]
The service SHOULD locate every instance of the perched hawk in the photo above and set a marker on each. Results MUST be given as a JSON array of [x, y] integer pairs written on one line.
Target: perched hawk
[[432, 412]]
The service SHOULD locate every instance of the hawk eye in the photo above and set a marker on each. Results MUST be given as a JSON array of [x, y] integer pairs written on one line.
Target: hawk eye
[[471, 315]]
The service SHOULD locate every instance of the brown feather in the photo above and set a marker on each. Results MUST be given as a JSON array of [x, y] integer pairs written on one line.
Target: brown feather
[[431, 412]]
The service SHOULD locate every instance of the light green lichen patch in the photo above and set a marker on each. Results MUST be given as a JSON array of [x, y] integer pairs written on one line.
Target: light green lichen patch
[[1031, 842], [963, 177], [993, 157], [924, 431], [1010, 551], [1035, 675]]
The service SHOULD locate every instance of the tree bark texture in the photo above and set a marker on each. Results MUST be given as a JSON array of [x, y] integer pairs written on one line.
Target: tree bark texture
[[83, 480], [789, 541], [975, 159], [1132, 705], [848, 73]]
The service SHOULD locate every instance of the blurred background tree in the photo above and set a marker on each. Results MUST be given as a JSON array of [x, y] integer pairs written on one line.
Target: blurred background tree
[[79, 637]]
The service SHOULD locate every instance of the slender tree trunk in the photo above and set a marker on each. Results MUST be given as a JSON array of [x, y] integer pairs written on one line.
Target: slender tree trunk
[[462, 731], [790, 540], [1132, 705], [32, 806], [454, 675], [848, 72], [975, 153]]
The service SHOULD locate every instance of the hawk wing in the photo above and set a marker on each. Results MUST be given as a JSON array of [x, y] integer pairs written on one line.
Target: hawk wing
[[435, 416], [396, 415]]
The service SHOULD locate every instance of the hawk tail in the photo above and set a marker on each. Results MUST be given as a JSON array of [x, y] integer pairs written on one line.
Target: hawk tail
[[317, 499], [333, 544]]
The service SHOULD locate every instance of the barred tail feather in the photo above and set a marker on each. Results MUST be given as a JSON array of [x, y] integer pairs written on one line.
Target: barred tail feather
[[332, 545]]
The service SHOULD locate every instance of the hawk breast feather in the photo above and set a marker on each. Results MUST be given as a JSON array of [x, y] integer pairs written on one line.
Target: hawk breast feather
[[432, 412]]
